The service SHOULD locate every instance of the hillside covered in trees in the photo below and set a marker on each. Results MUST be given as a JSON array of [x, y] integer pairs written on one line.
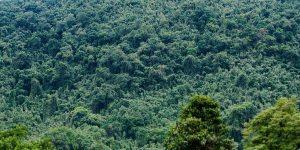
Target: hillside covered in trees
[[114, 74]]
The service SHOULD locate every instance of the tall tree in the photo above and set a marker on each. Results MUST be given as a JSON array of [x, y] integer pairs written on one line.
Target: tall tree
[[200, 127], [277, 127], [13, 140]]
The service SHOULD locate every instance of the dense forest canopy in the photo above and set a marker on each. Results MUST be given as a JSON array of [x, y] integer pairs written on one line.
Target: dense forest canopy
[[114, 74]]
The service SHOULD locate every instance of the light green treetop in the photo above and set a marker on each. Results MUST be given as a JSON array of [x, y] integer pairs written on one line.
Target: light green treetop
[[277, 127]]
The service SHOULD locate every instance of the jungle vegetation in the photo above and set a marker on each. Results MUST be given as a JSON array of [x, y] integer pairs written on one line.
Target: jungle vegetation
[[118, 74], [200, 127]]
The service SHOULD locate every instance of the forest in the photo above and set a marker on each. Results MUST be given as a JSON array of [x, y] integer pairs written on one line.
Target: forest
[[119, 74]]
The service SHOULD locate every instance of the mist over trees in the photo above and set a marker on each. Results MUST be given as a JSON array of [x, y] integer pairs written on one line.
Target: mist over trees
[[115, 74]]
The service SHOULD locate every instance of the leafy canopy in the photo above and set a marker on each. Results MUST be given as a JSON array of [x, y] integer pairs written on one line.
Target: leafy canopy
[[13, 139], [200, 127], [277, 127]]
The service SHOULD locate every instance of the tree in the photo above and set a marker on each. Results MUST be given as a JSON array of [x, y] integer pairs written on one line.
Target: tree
[[65, 138], [81, 116], [200, 127], [35, 88], [236, 115], [13, 140], [277, 127], [189, 63]]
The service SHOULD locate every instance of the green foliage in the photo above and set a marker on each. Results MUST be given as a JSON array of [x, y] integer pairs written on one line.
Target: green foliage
[[81, 116], [235, 117], [121, 70], [200, 127], [276, 127], [14, 139], [65, 138]]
